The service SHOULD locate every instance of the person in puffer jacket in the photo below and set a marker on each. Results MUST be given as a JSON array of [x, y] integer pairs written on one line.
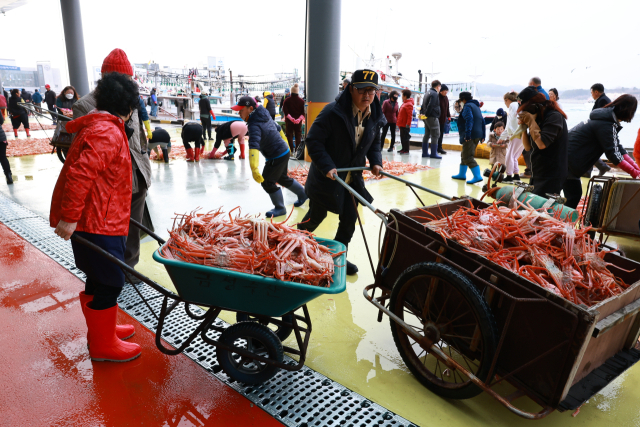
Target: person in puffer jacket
[[472, 132], [591, 138], [404, 120], [266, 137], [269, 104], [92, 200]]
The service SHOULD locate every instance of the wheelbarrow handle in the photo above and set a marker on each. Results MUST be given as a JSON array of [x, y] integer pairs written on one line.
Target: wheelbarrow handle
[[122, 265], [361, 199], [32, 109], [146, 230], [388, 175]]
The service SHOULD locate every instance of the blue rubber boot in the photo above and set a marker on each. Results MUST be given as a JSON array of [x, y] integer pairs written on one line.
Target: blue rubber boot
[[462, 174], [278, 201], [477, 176], [425, 149], [297, 189], [434, 150]]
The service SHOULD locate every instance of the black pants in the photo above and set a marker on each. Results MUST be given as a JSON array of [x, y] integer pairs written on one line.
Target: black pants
[[527, 160], [440, 137], [196, 139], [545, 185], [276, 171], [51, 109], [572, 189], [22, 119], [6, 168], [103, 296], [206, 126], [405, 137], [291, 130], [386, 127], [132, 250], [347, 226], [104, 278]]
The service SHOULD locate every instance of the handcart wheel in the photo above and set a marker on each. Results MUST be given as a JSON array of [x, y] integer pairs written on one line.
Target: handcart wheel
[[62, 153], [282, 332], [257, 339], [440, 303]]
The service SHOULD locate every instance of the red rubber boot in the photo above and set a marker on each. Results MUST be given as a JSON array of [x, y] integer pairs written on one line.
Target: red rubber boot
[[212, 154], [28, 134], [104, 345], [124, 332], [241, 151], [197, 157], [189, 154]]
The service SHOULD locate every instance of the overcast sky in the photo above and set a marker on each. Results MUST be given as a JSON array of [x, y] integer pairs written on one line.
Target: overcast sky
[[568, 43]]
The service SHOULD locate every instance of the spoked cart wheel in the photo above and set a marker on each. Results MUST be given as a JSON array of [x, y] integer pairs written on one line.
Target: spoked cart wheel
[[440, 303], [281, 331], [257, 339], [62, 153]]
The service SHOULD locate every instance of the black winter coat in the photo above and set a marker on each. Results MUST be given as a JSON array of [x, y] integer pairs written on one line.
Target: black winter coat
[[331, 143], [14, 107], [431, 104], [161, 135], [271, 105], [589, 139], [50, 99], [205, 107], [3, 136], [601, 102], [264, 134]]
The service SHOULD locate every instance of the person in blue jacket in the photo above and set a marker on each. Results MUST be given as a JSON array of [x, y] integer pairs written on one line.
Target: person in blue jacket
[[265, 136], [472, 132], [154, 103], [37, 101]]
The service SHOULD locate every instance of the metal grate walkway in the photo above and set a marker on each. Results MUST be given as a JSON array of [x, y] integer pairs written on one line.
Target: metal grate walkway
[[297, 399]]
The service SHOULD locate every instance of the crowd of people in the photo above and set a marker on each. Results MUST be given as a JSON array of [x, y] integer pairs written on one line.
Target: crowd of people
[[104, 181]]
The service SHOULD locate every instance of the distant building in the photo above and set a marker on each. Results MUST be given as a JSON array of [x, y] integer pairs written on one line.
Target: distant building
[[12, 76]]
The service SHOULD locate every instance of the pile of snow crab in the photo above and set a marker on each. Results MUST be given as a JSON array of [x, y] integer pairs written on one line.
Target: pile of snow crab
[[250, 245], [28, 146], [544, 249], [394, 168]]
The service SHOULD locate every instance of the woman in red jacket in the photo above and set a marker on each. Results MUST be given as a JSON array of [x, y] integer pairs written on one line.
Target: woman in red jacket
[[404, 120], [92, 198]]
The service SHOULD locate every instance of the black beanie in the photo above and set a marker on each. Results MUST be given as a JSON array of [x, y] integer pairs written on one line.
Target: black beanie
[[527, 93], [443, 87], [465, 96]]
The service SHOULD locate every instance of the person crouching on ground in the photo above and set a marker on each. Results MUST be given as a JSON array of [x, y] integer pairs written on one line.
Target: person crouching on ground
[[227, 132], [547, 140], [498, 146], [192, 132], [265, 136], [472, 132], [404, 121], [345, 134], [92, 199]]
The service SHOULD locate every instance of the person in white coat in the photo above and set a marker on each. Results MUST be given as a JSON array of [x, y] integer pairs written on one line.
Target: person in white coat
[[515, 147]]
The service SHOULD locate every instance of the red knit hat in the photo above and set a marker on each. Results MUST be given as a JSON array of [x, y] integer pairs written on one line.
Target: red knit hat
[[117, 62]]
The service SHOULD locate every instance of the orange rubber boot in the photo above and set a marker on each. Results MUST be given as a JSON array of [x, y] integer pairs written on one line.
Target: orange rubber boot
[[189, 154], [241, 151], [104, 345], [124, 332]]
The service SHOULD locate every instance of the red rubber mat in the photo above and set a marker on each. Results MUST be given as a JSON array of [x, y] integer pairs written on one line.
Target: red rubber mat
[[47, 376]]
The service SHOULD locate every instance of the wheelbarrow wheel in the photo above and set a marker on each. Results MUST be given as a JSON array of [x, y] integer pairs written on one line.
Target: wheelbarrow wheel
[[282, 332], [442, 305], [62, 153], [257, 339]]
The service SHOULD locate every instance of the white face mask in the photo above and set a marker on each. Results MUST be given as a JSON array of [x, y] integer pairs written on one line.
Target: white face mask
[[69, 96]]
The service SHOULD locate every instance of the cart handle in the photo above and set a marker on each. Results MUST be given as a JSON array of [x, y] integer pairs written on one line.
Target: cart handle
[[32, 109], [159, 239], [373, 209]]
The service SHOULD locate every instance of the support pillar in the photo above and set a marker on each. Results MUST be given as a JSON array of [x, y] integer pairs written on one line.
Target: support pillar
[[322, 56], [74, 42]]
